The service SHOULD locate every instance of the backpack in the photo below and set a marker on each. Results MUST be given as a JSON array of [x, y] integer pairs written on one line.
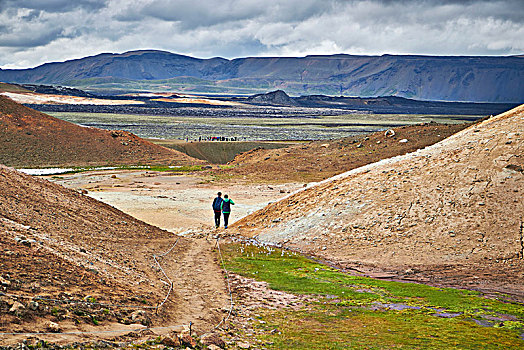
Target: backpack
[[217, 204]]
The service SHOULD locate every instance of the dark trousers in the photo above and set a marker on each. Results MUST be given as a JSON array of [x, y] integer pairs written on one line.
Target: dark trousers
[[226, 218], [217, 218]]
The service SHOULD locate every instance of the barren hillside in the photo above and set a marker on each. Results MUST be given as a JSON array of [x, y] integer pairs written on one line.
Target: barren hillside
[[87, 267], [450, 213], [319, 160], [32, 139]]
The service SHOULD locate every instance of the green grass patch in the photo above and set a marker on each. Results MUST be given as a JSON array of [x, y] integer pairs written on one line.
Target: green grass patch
[[360, 312]]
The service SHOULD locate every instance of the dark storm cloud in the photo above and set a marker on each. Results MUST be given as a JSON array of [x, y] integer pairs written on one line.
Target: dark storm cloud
[[197, 13], [36, 31], [31, 40]]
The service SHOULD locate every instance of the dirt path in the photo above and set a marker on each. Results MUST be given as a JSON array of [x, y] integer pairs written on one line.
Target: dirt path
[[172, 201], [202, 294]]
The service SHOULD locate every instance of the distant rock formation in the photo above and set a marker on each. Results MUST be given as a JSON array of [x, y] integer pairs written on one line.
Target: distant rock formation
[[274, 98], [384, 104], [448, 78]]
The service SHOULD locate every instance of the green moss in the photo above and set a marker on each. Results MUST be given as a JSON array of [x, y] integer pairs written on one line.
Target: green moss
[[360, 312]]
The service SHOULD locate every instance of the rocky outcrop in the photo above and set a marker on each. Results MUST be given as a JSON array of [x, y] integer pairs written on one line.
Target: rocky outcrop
[[274, 98]]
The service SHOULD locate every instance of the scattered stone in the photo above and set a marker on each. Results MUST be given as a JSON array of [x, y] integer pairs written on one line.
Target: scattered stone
[[33, 305], [515, 168], [403, 141], [244, 345], [389, 133], [4, 282], [170, 341], [138, 316], [213, 339], [53, 327], [187, 340], [360, 145], [17, 308]]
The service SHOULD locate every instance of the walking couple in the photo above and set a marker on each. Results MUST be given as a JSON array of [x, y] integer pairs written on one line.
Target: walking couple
[[222, 205]]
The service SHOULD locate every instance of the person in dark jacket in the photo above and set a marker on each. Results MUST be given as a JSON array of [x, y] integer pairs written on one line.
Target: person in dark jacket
[[226, 208], [217, 208]]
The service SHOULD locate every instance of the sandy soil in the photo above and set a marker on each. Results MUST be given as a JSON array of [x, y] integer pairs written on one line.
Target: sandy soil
[[172, 201], [36, 98], [205, 101], [61, 245]]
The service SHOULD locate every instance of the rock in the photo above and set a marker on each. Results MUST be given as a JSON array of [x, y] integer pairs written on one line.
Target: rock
[[244, 345], [187, 340], [213, 347], [213, 339], [33, 305], [403, 141], [515, 168], [360, 145], [53, 327], [4, 282], [140, 316], [389, 132], [17, 308], [170, 341]]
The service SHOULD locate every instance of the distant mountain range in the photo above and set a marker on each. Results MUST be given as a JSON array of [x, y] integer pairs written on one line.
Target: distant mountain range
[[449, 78]]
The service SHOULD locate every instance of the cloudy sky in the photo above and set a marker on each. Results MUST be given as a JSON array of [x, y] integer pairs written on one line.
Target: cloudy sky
[[33, 32]]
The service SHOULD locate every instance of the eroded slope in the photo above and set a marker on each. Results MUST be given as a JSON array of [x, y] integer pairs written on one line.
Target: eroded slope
[[319, 160], [32, 139], [453, 211], [61, 245]]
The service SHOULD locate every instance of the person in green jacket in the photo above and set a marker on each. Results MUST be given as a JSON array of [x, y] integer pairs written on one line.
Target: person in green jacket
[[226, 208]]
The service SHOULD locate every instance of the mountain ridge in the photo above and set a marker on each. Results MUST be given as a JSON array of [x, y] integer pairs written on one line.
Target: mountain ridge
[[446, 78]]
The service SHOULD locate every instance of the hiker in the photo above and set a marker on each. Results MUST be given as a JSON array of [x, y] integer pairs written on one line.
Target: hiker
[[226, 208], [217, 208]]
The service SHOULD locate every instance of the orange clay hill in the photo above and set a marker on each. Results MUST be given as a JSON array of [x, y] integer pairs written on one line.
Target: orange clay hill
[[82, 269], [450, 214], [318, 160], [29, 138]]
